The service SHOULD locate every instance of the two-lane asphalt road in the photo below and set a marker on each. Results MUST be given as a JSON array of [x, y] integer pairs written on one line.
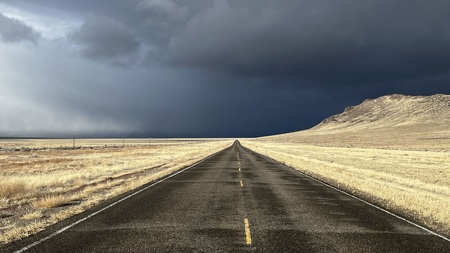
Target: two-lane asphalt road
[[237, 201]]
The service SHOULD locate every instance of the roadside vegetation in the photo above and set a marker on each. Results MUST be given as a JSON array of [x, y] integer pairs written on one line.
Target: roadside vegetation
[[45, 182], [412, 183]]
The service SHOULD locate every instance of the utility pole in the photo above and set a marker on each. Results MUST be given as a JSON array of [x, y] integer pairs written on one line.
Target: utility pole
[[73, 142]]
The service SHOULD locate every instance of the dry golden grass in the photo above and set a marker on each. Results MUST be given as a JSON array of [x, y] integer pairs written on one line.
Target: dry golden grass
[[60, 182], [51, 201], [32, 215], [413, 183], [418, 137], [19, 232], [27, 144], [11, 189]]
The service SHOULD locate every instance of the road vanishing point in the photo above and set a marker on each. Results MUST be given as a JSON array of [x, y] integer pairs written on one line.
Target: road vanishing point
[[234, 201]]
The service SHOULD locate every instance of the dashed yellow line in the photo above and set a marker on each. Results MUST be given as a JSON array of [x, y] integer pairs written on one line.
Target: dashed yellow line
[[248, 237]]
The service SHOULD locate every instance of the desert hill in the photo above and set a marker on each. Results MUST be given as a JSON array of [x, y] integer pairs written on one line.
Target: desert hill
[[392, 111], [394, 121]]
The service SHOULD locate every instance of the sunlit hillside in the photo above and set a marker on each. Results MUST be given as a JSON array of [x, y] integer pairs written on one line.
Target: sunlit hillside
[[392, 121]]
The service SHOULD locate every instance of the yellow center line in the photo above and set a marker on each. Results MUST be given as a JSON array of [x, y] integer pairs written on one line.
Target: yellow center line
[[239, 169], [242, 184], [248, 237]]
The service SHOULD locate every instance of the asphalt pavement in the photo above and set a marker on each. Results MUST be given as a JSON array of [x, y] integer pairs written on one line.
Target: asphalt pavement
[[235, 201]]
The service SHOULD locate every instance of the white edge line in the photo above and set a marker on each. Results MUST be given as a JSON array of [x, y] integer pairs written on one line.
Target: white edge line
[[368, 203], [377, 207], [109, 206]]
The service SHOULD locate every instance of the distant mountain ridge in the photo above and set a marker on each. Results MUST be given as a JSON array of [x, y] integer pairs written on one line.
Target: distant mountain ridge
[[392, 111]]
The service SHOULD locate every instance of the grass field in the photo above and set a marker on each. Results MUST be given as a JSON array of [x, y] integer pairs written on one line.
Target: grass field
[[413, 183], [45, 181]]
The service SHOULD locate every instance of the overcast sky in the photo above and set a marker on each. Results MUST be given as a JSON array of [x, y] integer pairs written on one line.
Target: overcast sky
[[210, 68]]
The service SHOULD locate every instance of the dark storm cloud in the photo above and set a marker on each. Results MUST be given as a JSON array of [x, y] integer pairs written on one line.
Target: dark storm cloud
[[348, 41], [307, 42], [159, 20], [13, 30], [102, 38], [162, 13]]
